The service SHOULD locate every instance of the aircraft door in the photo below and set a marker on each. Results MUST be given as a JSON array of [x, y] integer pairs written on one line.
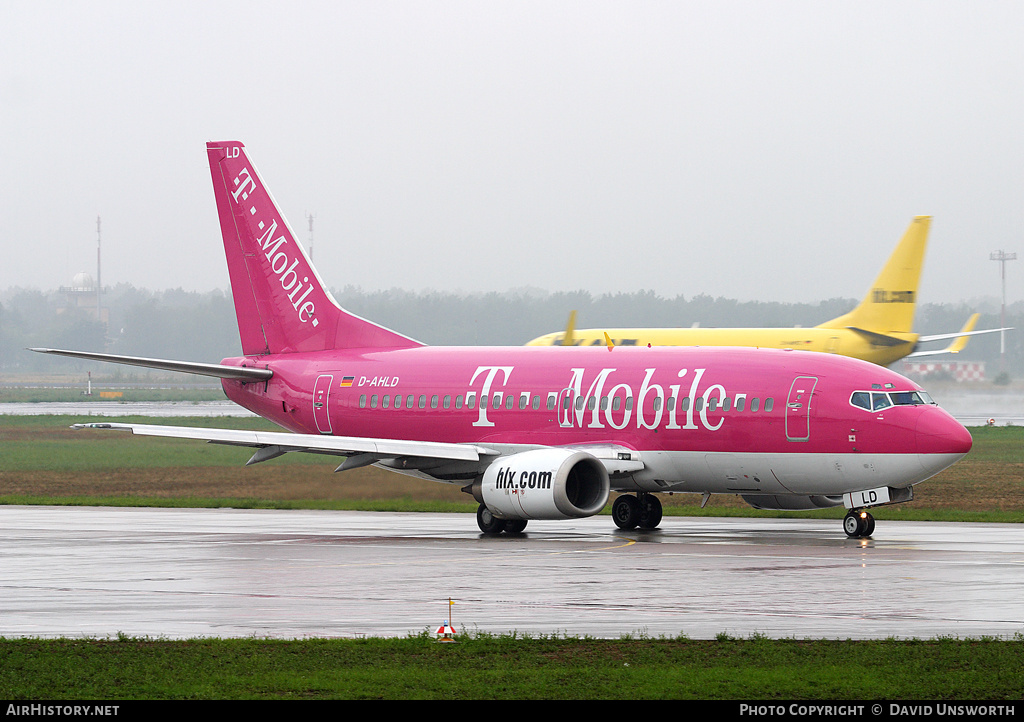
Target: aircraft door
[[321, 410], [798, 408]]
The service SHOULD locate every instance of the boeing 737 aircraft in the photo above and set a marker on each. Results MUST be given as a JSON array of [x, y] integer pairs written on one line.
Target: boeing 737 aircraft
[[877, 330], [548, 433]]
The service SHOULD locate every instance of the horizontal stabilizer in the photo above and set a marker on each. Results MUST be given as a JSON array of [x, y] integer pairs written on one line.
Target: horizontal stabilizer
[[241, 373]]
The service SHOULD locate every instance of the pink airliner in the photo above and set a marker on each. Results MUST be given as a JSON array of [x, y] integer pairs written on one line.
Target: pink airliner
[[549, 432]]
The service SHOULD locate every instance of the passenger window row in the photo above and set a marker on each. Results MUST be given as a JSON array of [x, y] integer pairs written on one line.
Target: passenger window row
[[713, 404], [526, 400]]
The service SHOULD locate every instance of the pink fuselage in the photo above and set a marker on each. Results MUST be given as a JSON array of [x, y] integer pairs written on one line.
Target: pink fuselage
[[692, 416]]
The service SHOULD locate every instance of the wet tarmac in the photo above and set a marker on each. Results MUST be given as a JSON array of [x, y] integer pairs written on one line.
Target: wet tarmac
[[168, 573]]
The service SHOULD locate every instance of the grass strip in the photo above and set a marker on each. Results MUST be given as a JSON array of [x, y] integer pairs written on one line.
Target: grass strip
[[482, 666]]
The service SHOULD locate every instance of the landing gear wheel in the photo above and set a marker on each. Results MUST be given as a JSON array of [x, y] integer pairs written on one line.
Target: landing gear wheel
[[488, 523], [650, 511], [851, 525], [626, 512], [515, 526], [858, 524], [869, 525]]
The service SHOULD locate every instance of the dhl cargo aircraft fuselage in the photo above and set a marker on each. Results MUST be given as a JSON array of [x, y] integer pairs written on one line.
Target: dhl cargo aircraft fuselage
[[548, 433]]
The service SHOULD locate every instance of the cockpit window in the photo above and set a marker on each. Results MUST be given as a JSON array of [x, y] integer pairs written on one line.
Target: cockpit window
[[906, 398], [877, 400]]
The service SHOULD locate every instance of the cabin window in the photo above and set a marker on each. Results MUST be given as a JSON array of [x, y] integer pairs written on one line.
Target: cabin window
[[657, 403], [552, 400], [433, 401], [483, 401], [510, 401], [536, 402], [591, 403], [579, 403], [629, 403], [385, 401], [754, 403], [409, 401], [471, 400], [447, 401], [698, 403], [458, 401], [616, 403], [769, 403], [423, 401], [496, 401], [524, 401], [684, 404], [740, 401], [362, 401], [373, 401], [726, 402], [604, 403], [712, 404]]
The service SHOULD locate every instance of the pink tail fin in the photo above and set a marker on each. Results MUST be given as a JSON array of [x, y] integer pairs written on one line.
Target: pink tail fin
[[281, 303]]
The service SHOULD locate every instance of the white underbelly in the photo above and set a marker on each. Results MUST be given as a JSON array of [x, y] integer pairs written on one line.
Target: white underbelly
[[741, 473]]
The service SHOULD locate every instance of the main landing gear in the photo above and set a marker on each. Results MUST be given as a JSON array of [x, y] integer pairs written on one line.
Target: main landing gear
[[858, 524], [490, 524], [642, 510]]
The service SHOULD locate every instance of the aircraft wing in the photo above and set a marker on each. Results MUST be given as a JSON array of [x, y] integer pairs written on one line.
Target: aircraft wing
[[360, 451], [960, 338], [276, 443]]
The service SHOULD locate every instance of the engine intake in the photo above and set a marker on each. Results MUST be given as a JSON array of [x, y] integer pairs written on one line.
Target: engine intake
[[544, 484]]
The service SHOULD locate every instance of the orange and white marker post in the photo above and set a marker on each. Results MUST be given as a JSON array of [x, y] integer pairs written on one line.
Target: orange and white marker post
[[445, 633]]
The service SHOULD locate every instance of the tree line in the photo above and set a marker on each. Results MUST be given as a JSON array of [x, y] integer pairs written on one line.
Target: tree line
[[195, 326]]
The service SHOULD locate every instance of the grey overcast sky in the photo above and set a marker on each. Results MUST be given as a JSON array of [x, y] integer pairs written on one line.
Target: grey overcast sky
[[739, 148]]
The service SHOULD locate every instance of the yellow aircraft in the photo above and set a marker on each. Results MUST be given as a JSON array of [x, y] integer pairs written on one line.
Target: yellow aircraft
[[877, 330]]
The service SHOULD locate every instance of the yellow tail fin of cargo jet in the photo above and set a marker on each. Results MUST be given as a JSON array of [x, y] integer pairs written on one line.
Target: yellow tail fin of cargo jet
[[890, 303]]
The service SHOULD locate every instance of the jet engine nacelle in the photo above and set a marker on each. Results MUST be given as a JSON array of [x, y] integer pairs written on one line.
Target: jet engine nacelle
[[792, 502], [544, 484]]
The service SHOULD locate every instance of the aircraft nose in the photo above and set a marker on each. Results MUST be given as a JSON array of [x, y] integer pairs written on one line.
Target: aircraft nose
[[940, 433]]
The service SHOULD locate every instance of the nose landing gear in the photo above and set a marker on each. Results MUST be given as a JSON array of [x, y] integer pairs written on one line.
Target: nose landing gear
[[858, 524]]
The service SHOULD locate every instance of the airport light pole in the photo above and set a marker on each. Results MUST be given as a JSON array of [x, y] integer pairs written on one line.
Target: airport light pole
[[1002, 257]]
